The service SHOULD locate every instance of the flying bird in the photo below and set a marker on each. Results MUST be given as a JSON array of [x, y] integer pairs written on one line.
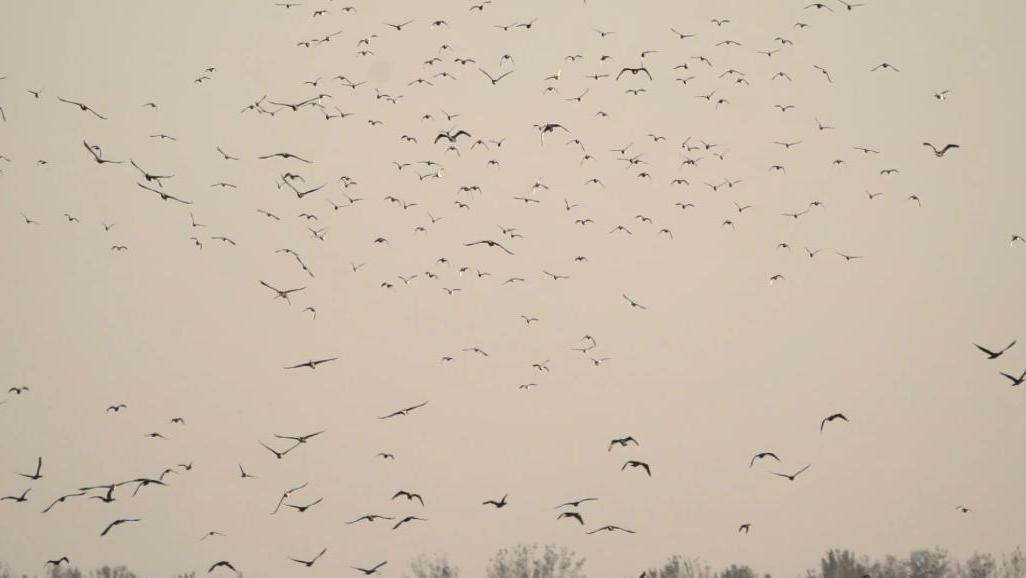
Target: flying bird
[[762, 455], [39, 469], [610, 528], [369, 571], [310, 563], [404, 411], [497, 503], [118, 522], [942, 151], [831, 418], [791, 477], [637, 464], [995, 354], [1016, 380]]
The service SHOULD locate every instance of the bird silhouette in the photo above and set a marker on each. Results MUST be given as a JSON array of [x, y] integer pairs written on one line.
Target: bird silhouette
[[38, 475], [312, 561], [792, 477], [831, 418], [117, 523], [995, 354], [501, 503], [371, 570]]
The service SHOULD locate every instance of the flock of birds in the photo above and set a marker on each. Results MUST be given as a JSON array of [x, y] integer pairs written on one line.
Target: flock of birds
[[445, 144]]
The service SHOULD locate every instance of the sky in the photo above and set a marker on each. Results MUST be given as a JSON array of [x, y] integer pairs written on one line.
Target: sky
[[720, 364]]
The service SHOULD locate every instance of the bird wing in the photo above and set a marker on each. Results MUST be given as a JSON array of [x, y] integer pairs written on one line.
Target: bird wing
[[985, 350], [91, 151]]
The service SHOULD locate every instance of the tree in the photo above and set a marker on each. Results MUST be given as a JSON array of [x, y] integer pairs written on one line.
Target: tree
[[890, 567], [1013, 565], [928, 564], [681, 567], [980, 566], [525, 561], [433, 567], [842, 564], [735, 571]]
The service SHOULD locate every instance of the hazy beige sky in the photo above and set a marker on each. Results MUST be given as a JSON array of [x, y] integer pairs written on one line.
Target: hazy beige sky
[[721, 364]]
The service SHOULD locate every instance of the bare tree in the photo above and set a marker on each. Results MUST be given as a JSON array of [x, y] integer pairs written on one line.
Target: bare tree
[[1013, 565], [432, 567], [525, 561], [681, 567], [843, 564], [928, 564]]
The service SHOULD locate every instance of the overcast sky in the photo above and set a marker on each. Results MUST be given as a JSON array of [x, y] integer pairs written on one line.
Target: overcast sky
[[722, 364]]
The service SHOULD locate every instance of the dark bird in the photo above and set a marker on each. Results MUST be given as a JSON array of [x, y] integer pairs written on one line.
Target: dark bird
[[1016, 380], [575, 503], [634, 72], [284, 155], [164, 196], [409, 496], [497, 503], [574, 515], [637, 464], [370, 518], [83, 108], [302, 509], [831, 418], [309, 563], [369, 571], [17, 499], [490, 243], [150, 178], [633, 303], [39, 469], [57, 562], [611, 528], [62, 499], [622, 442], [940, 152], [312, 364], [405, 520], [118, 522], [495, 80], [300, 439], [995, 354], [761, 455], [399, 27], [284, 294], [222, 564], [96, 156], [404, 411], [794, 475], [451, 136], [277, 454]]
